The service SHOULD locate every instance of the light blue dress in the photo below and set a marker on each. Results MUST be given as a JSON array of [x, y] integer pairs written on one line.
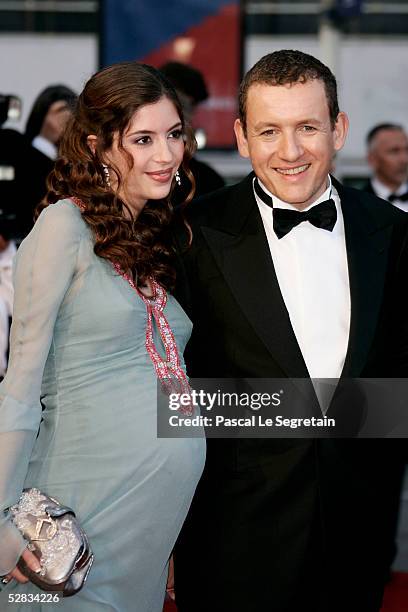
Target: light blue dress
[[78, 341]]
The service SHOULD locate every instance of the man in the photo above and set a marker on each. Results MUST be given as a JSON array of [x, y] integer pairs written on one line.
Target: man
[[387, 154], [291, 525]]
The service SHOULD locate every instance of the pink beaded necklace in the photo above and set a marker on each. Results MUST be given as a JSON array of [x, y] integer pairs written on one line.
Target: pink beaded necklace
[[169, 371]]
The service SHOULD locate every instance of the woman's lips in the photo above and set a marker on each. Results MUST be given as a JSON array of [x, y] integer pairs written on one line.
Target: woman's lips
[[161, 176]]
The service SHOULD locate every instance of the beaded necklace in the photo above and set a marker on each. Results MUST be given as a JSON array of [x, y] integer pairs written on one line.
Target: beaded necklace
[[169, 371]]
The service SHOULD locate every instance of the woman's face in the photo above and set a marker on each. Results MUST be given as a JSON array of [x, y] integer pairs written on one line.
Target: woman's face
[[154, 140]]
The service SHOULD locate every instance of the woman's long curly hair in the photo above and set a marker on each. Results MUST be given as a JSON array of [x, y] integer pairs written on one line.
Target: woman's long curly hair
[[140, 245]]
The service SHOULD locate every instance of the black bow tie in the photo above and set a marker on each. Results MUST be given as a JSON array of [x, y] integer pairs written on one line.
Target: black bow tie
[[402, 198], [323, 215]]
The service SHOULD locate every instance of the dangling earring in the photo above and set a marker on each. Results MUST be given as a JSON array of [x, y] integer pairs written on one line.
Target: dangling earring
[[107, 175], [178, 178]]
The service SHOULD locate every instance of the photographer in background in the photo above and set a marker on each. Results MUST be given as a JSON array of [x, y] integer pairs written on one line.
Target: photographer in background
[[15, 173], [13, 217]]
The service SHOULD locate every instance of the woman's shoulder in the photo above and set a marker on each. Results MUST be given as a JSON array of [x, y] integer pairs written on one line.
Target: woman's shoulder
[[64, 216], [62, 209], [59, 224]]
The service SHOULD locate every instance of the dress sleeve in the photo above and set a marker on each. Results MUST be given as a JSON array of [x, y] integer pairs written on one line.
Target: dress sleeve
[[45, 265]]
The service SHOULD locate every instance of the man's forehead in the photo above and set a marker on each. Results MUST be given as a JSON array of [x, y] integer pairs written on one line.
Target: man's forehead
[[391, 135], [301, 85], [287, 100]]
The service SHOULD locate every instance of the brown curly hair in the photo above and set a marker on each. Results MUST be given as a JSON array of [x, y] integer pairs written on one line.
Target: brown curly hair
[[141, 245]]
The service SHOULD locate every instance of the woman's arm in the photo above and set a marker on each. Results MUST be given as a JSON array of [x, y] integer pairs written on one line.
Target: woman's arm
[[45, 266]]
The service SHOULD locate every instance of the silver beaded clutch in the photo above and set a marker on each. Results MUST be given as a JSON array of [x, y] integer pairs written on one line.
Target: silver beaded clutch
[[57, 540]]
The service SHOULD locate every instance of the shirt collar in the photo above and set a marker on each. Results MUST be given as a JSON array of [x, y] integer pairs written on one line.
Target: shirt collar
[[45, 146], [384, 192], [7, 255]]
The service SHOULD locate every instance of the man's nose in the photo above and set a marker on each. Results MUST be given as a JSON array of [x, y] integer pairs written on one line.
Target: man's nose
[[290, 148]]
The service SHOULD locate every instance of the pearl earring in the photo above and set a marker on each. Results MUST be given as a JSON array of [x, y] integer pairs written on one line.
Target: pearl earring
[[178, 178]]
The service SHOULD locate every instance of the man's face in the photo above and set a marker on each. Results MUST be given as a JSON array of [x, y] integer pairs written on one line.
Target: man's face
[[290, 140], [388, 156]]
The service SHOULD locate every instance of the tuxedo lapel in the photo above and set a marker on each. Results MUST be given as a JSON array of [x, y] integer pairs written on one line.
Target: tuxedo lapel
[[367, 244], [240, 248]]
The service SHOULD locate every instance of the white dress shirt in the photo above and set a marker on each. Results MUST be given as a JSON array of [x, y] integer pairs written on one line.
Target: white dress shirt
[[384, 192], [312, 271]]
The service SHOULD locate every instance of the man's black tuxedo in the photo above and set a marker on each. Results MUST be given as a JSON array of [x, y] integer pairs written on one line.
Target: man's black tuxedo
[[288, 525], [368, 187]]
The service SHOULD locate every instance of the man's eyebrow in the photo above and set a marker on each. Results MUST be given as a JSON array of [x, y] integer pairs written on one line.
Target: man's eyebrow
[[310, 120], [268, 124], [137, 132], [264, 124]]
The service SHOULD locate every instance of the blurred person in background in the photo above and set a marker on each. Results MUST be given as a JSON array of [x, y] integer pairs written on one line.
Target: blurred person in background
[[192, 90], [13, 180], [44, 128], [15, 173], [387, 154], [48, 118], [7, 252]]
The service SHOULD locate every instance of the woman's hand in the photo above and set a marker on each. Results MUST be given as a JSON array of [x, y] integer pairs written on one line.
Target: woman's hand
[[30, 560], [170, 580]]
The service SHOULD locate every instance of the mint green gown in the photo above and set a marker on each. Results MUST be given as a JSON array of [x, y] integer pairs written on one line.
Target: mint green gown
[[78, 342]]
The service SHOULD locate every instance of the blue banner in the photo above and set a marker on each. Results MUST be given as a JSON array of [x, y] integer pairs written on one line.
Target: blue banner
[[131, 29], [349, 8]]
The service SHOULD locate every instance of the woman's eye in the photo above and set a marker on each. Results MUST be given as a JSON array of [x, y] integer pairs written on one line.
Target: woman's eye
[[177, 134], [143, 140]]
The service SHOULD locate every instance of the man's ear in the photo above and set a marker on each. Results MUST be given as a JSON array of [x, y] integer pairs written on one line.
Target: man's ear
[[340, 130], [91, 141], [241, 138], [372, 159]]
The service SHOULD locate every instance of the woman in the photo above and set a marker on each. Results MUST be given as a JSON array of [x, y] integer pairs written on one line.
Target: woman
[[97, 257]]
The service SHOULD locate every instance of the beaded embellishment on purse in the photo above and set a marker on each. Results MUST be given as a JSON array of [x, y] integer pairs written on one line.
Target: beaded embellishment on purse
[[56, 538]]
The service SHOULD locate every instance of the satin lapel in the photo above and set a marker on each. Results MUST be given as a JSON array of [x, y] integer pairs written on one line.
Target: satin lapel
[[242, 253], [367, 246]]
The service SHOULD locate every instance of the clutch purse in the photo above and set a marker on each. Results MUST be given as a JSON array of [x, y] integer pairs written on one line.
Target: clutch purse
[[56, 539]]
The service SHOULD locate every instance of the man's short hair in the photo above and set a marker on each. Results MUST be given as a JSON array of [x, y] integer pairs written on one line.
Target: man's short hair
[[288, 66], [379, 128]]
